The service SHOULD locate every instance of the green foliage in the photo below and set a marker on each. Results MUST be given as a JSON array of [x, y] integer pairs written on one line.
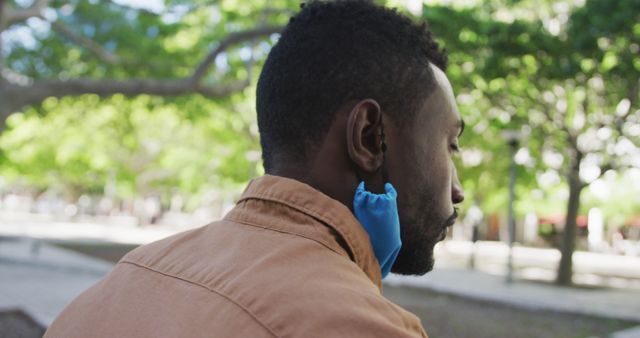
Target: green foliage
[[509, 72], [517, 74], [142, 145], [147, 144]]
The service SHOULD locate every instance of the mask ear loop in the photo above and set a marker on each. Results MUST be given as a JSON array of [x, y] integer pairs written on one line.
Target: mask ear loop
[[385, 173], [355, 170]]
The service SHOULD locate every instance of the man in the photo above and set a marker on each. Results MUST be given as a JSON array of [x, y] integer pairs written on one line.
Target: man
[[354, 110]]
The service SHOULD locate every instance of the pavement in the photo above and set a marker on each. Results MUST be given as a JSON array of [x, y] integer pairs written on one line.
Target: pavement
[[603, 302], [42, 279], [91, 229]]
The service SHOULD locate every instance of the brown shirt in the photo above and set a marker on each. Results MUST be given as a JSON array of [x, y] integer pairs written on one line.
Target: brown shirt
[[287, 261]]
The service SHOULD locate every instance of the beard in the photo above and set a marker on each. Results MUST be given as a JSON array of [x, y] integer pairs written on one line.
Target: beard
[[420, 231]]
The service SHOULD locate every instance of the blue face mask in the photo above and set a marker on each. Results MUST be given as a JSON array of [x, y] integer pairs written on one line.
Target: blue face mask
[[378, 213]]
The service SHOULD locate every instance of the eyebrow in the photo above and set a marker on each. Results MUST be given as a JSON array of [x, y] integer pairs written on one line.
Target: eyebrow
[[461, 126]]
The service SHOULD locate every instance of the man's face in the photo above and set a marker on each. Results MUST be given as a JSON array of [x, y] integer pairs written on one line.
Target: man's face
[[421, 167]]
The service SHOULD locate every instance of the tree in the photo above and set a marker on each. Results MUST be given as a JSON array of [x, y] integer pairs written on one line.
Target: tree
[[597, 118], [575, 90], [151, 101], [125, 42]]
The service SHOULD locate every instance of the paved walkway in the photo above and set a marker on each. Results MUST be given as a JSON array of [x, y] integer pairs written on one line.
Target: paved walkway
[[41, 280], [604, 302], [593, 269]]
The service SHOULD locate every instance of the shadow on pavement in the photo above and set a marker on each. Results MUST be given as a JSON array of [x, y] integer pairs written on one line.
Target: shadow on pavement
[[16, 324]]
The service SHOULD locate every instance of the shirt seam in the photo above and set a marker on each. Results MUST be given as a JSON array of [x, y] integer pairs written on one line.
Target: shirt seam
[[228, 298], [324, 218], [292, 204], [245, 222]]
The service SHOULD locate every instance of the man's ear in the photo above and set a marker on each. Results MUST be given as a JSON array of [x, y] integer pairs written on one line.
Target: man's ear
[[364, 129]]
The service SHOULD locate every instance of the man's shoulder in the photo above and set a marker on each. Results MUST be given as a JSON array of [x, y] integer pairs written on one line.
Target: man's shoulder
[[290, 284], [212, 254], [225, 255], [276, 283]]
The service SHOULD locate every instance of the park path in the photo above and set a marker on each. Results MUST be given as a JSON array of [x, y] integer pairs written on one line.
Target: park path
[[42, 279]]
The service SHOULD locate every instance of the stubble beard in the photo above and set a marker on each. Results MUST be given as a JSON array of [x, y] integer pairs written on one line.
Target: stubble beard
[[420, 233]]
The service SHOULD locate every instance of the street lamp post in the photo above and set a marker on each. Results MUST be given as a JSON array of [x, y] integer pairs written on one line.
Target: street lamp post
[[513, 139]]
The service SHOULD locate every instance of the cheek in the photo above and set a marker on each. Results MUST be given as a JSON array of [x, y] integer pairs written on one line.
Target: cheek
[[412, 174], [407, 167], [420, 169], [429, 168], [430, 186]]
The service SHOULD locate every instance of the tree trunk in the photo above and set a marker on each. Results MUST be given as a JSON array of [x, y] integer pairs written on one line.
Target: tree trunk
[[565, 269]]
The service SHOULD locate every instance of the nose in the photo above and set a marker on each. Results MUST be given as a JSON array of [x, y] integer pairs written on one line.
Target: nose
[[457, 193]]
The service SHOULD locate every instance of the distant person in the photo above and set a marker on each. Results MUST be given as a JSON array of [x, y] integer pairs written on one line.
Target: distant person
[[354, 109]]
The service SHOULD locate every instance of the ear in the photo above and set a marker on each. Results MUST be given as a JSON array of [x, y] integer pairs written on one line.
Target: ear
[[364, 142]]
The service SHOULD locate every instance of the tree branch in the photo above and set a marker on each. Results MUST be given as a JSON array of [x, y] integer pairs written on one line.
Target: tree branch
[[12, 16], [609, 165], [2, 10], [41, 89], [571, 137], [102, 54], [230, 40], [559, 123], [15, 96], [632, 96], [127, 6], [276, 10], [10, 76]]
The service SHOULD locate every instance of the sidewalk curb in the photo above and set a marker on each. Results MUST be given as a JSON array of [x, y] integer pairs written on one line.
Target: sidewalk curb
[[94, 271], [633, 332]]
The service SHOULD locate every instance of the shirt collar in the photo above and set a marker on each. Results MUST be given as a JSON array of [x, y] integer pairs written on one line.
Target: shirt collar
[[330, 212]]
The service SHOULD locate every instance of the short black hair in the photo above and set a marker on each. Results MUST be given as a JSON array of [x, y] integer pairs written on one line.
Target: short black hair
[[332, 52]]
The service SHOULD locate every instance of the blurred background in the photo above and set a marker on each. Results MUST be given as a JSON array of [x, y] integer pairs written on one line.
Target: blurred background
[[124, 121]]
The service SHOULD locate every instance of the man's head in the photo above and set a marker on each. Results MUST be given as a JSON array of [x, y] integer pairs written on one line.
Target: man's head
[[340, 73]]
